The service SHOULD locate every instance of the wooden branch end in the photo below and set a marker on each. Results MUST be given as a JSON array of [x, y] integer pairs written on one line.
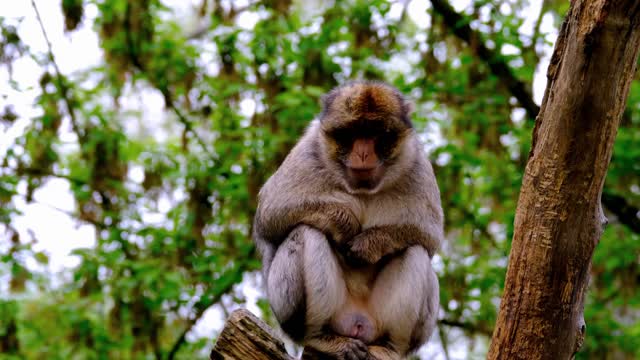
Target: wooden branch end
[[246, 337]]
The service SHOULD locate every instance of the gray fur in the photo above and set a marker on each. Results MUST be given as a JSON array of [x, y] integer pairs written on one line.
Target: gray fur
[[307, 216]]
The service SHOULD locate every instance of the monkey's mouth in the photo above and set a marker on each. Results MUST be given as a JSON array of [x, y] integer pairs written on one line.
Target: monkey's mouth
[[362, 173], [364, 178]]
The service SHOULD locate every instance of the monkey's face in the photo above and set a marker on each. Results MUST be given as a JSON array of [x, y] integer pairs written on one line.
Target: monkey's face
[[365, 126], [364, 151]]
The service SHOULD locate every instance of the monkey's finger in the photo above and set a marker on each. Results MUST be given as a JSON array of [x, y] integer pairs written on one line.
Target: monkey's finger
[[361, 350], [361, 347], [357, 356], [354, 350]]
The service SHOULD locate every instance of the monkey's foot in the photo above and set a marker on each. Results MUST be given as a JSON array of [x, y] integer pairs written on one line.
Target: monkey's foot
[[337, 347], [354, 349], [383, 353]]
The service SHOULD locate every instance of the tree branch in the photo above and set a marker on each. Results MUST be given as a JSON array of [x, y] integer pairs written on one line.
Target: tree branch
[[444, 342], [222, 285], [189, 128], [62, 87], [164, 89], [558, 221], [467, 326], [625, 212], [182, 339], [35, 172], [460, 27], [247, 337]]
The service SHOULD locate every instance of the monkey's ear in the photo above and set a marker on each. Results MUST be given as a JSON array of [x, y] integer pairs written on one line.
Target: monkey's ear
[[408, 107], [327, 99]]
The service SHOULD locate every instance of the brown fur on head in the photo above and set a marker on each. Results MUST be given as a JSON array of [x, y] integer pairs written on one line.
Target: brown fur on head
[[366, 133], [371, 100]]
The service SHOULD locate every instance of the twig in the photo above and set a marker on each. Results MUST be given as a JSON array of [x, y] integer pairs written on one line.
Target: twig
[[443, 342], [164, 90], [189, 128], [190, 323], [42, 173], [205, 303], [62, 87], [97, 224], [467, 326], [35, 172]]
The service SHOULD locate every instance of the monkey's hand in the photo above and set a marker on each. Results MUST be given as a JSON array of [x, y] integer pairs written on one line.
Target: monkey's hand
[[365, 248], [374, 243], [336, 221]]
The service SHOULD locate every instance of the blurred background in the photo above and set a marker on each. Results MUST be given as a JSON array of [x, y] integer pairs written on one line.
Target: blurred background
[[135, 135]]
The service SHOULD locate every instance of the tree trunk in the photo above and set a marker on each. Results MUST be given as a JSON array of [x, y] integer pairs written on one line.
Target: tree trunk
[[559, 218]]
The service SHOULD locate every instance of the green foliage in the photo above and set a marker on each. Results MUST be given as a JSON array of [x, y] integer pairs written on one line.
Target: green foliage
[[171, 194]]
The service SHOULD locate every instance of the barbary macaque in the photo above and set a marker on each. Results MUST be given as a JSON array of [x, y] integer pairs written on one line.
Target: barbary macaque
[[347, 227]]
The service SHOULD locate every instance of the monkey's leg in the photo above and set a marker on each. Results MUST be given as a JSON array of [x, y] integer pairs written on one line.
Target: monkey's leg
[[405, 299], [305, 286], [326, 294]]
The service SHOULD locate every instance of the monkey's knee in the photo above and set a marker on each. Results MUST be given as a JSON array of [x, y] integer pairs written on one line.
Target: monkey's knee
[[304, 284], [406, 299], [405, 278], [324, 280], [430, 301], [285, 284], [383, 353]]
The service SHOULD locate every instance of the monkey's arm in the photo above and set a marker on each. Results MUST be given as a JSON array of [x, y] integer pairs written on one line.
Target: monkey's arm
[[337, 222], [418, 222], [376, 242]]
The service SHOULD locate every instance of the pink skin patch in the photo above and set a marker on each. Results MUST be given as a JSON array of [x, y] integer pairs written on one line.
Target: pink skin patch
[[355, 324]]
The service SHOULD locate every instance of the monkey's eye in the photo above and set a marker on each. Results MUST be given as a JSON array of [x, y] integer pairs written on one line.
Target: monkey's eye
[[385, 143], [342, 137]]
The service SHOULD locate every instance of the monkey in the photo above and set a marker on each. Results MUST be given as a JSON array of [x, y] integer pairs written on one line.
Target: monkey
[[347, 227]]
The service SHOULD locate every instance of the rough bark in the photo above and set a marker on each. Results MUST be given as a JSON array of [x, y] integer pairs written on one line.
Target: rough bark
[[245, 337], [559, 218]]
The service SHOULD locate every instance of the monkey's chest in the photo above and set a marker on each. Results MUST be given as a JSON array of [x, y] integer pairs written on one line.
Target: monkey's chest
[[384, 211]]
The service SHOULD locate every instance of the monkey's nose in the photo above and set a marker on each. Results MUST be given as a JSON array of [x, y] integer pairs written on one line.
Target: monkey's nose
[[363, 156]]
